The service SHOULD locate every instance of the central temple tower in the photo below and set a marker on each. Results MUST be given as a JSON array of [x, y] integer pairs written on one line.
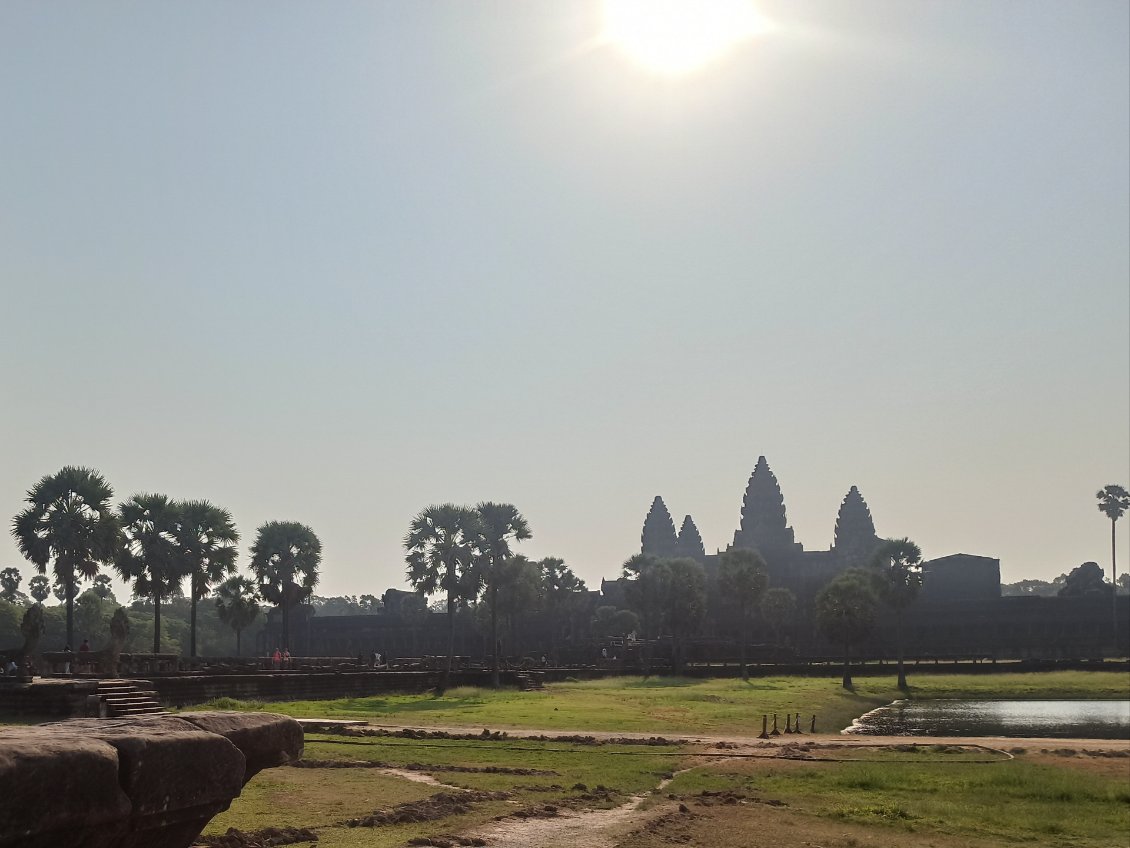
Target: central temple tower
[[764, 526]]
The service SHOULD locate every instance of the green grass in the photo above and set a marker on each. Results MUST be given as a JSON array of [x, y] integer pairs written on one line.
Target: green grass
[[1011, 801], [682, 705]]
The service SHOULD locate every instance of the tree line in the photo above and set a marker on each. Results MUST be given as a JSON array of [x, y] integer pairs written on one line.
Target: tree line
[[71, 529]]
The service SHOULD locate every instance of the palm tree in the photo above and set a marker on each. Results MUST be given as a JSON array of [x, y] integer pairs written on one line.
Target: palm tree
[[519, 589], [686, 605], [150, 557], [102, 587], [285, 560], [208, 540], [741, 573], [69, 523], [237, 603], [499, 525], [845, 611], [899, 566], [647, 591], [560, 587], [39, 587], [10, 585], [1113, 502], [441, 558]]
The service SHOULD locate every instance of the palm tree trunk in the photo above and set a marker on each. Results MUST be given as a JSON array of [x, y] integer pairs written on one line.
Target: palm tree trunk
[[450, 636], [1113, 587], [71, 611], [494, 635], [192, 621], [285, 624], [898, 643], [238, 633], [156, 624], [745, 638], [847, 666]]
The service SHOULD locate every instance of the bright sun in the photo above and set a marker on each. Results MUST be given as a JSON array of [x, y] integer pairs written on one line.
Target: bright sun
[[677, 37]]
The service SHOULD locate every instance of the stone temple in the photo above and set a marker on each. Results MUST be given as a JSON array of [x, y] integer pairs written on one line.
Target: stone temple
[[765, 528]]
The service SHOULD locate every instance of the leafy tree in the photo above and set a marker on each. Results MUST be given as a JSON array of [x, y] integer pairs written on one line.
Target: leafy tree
[[778, 606], [1034, 588], [846, 610], [69, 525], [238, 605], [285, 559], [519, 590], [39, 587], [498, 526], [441, 558], [60, 592], [561, 588], [10, 585], [369, 604], [647, 591], [741, 573], [207, 538], [686, 604], [1113, 503], [1085, 580], [92, 616], [150, 557], [102, 588], [898, 564], [610, 621]]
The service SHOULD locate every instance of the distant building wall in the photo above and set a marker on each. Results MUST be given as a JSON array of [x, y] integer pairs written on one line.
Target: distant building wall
[[961, 577]]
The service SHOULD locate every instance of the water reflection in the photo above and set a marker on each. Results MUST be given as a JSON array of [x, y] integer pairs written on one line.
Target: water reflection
[[1051, 719]]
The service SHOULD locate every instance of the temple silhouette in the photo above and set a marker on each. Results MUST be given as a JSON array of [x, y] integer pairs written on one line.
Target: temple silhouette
[[765, 528]]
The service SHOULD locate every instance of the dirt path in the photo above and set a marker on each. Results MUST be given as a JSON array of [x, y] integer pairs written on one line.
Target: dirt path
[[754, 743]]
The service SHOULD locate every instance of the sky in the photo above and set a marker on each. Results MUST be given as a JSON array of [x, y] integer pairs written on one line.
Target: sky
[[333, 263]]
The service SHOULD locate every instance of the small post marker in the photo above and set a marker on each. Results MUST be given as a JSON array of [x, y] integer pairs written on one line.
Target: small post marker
[[764, 727], [812, 727], [788, 723], [796, 724], [775, 732]]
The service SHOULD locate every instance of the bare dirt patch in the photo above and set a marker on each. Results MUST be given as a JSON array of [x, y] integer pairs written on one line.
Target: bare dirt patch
[[267, 838], [438, 806]]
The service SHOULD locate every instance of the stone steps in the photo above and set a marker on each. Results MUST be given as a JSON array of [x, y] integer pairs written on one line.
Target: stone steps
[[125, 698]]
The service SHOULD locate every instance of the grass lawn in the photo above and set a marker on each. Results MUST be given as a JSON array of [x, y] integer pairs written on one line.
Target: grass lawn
[[1045, 803], [682, 705]]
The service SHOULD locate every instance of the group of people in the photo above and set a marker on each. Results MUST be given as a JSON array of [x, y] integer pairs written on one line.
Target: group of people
[[280, 659]]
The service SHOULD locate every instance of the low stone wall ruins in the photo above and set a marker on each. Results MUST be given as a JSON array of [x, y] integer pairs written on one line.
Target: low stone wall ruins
[[146, 782]]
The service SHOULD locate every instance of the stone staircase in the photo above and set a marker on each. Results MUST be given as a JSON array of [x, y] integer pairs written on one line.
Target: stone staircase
[[120, 698], [529, 681]]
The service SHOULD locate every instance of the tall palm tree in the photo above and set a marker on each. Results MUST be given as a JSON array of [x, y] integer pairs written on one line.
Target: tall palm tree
[[150, 556], [742, 575], [39, 587], [649, 585], [70, 525], [778, 605], [237, 603], [285, 559], [560, 587], [441, 558], [208, 540], [686, 605], [1113, 502], [499, 524], [898, 563]]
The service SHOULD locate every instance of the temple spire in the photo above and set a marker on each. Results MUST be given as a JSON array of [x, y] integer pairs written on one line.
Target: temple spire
[[764, 525], [856, 538], [658, 538], [690, 541]]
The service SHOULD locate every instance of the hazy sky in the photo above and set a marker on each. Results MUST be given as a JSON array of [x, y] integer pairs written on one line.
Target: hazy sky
[[333, 262]]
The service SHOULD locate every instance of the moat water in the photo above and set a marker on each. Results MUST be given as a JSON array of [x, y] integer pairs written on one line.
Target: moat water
[[1041, 719]]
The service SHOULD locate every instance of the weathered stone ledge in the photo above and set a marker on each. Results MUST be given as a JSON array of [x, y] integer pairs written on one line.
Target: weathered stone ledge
[[144, 782]]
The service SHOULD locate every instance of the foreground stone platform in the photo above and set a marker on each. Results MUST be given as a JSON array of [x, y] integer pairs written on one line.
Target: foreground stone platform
[[139, 782]]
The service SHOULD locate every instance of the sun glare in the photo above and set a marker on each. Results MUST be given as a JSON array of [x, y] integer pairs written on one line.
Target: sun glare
[[678, 37]]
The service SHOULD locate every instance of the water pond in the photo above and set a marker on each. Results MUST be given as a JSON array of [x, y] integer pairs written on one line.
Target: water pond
[[1041, 719]]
